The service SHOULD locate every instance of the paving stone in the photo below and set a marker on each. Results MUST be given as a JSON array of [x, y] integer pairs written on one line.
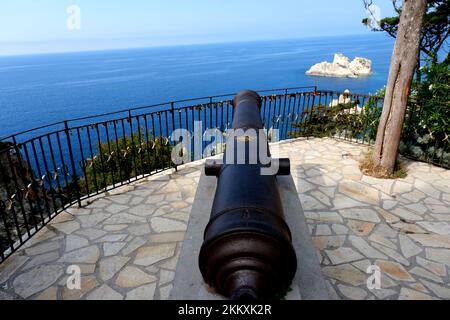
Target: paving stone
[[108, 267], [441, 228], [146, 292], [402, 187], [84, 255], [437, 268], [91, 233], [164, 292], [425, 274], [324, 216], [166, 276], [427, 188], [419, 287], [104, 293], [323, 230], [368, 215], [113, 237], [116, 208], [343, 255], [363, 247], [382, 240], [328, 242], [149, 255], [390, 218], [87, 284], [438, 255], [75, 242], [409, 249], [311, 203], [394, 270], [406, 215], [36, 280], [99, 204], [166, 225], [67, 227], [167, 237], [112, 248], [171, 263], [10, 266], [389, 204], [133, 245], [47, 295], [93, 220], [359, 191], [63, 217], [132, 277], [304, 186], [391, 253], [42, 248], [179, 215], [179, 205], [360, 228], [412, 196], [117, 227], [122, 198], [408, 228], [322, 181], [124, 218], [41, 259], [141, 210], [339, 229], [87, 268], [432, 240], [176, 196], [408, 294], [154, 199], [439, 209], [418, 208], [343, 202], [383, 293], [329, 191], [346, 273], [352, 292], [440, 291]]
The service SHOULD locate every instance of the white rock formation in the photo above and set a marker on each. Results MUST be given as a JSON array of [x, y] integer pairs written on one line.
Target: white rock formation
[[342, 67]]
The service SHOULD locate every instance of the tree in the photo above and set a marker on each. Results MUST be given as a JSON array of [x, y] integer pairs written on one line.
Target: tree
[[435, 29], [403, 64]]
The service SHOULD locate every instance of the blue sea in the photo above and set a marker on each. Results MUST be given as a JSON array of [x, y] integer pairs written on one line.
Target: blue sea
[[39, 89]]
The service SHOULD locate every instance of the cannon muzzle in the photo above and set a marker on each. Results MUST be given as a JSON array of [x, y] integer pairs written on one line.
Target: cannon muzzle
[[247, 252]]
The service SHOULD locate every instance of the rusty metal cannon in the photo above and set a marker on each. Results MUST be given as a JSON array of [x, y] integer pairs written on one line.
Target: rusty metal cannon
[[247, 252]]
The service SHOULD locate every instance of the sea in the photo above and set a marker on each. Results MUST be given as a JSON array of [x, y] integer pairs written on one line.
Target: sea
[[36, 90]]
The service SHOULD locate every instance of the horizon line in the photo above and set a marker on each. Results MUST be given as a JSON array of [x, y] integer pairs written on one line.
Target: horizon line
[[118, 48]]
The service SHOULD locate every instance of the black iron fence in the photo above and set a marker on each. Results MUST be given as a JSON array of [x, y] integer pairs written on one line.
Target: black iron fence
[[45, 170]]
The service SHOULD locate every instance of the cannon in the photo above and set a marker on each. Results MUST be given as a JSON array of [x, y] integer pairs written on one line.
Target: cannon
[[247, 253]]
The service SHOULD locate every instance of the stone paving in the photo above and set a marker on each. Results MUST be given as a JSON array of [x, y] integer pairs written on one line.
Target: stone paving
[[127, 242]]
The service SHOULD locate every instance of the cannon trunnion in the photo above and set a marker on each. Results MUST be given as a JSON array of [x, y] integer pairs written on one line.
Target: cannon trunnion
[[247, 251]]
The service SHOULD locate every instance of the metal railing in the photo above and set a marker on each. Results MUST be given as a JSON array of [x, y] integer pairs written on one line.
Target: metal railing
[[47, 169]]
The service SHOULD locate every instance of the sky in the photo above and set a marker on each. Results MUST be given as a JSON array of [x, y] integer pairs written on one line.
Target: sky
[[41, 26]]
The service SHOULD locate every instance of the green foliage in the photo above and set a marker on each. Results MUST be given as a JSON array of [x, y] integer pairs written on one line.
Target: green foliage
[[128, 158], [346, 120], [426, 135], [435, 28]]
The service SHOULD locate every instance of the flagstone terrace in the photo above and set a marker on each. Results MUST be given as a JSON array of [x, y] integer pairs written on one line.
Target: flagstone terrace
[[126, 242]]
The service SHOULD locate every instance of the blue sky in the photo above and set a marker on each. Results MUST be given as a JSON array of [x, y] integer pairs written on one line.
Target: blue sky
[[36, 26]]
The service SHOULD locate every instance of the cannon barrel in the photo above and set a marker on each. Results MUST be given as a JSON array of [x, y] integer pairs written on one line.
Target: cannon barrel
[[247, 251]]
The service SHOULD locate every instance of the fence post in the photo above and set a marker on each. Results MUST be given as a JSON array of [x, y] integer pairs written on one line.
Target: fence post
[[72, 162], [172, 111]]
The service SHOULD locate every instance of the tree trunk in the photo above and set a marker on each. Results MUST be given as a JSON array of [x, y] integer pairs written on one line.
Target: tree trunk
[[403, 63]]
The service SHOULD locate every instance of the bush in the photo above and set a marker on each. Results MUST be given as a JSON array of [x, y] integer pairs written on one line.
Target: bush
[[129, 158], [426, 135], [345, 120]]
